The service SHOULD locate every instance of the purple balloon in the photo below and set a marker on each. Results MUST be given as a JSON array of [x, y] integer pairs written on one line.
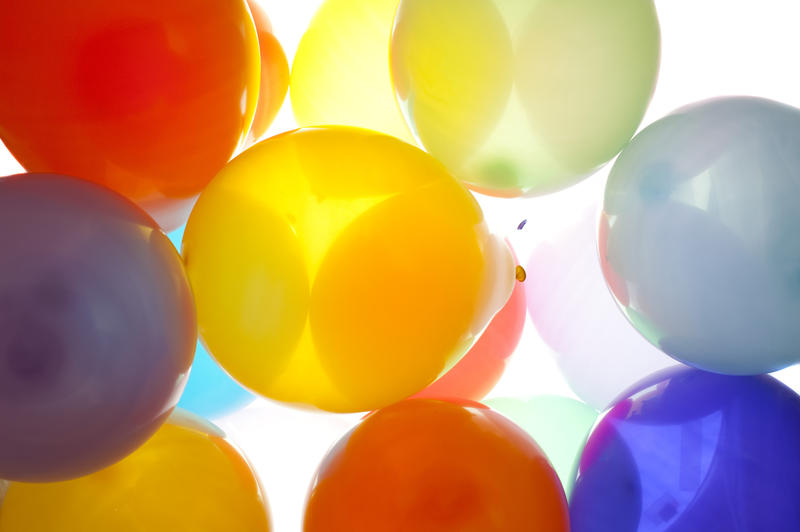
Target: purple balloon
[[97, 327], [695, 452]]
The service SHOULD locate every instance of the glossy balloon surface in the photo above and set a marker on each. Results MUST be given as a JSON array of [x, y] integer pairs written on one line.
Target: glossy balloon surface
[[522, 98], [478, 372], [340, 74], [186, 478], [209, 392], [97, 327], [598, 352], [341, 268], [124, 93], [274, 74], [699, 237], [697, 451], [559, 425], [433, 466]]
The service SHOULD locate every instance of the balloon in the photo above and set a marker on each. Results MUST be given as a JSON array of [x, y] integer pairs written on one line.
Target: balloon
[[186, 478], [97, 327], [699, 238], [341, 268], [434, 466], [340, 74], [697, 451], [274, 74], [210, 392], [598, 352], [149, 98], [559, 425], [478, 372], [523, 98]]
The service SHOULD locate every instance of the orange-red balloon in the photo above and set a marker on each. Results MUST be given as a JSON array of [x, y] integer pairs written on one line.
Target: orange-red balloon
[[434, 466], [147, 97], [476, 374], [274, 74]]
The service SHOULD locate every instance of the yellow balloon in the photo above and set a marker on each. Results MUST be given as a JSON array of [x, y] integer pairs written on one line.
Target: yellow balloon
[[186, 478], [341, 268], [340, 74], [524, 97]]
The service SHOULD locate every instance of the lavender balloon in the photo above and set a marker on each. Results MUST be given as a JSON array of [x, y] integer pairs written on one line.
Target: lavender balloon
[[598, 352], [701, 245], [695, 452], [97, 327]]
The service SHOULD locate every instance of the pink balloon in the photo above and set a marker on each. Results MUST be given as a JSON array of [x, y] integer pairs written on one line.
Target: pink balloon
[[477, 373], [599, 353]]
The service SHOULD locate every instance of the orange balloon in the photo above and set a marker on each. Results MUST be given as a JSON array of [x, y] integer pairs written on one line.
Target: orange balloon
[[274, 74], [147, 97], [435, 466], [474, 376]]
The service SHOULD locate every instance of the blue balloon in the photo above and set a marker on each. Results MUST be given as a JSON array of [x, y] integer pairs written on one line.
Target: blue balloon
[[210, 392], [695, 452], [700, 235]]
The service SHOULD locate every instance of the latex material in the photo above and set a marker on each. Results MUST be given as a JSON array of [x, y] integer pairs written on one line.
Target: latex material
[[124, 93], [434, 466], [478, 372], [522, 98], [699, 237], [97, 327], [274, 74], [598, 352], [560, 425], [210, 392], [697, 451], [341, 268], [340, 73], [186, 478]]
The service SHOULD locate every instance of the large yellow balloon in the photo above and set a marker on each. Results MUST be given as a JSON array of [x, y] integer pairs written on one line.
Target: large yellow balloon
[[341, 268], [340, 74], [186, 478], [524, 97]]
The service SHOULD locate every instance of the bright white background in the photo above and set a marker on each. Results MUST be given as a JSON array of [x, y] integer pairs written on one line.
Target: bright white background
[[709, 48]]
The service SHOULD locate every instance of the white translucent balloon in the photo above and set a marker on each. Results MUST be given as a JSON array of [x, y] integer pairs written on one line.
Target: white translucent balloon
[[599, 352]]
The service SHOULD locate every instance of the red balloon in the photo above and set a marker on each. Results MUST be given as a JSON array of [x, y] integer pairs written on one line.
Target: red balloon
[[435, 466], [274, 74], [478, 372], [147, 97]]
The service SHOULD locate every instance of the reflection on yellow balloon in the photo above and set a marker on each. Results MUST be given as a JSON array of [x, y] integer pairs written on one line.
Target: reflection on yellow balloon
[[523, 98], [340, 74], [186, 478], [341, 268]]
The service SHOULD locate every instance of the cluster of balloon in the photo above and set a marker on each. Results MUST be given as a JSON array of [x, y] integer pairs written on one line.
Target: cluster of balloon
[[698, 237], [431, 465], [97, 327], [318, 249], [560, 425], [521, 98], [696, 451], [122, 93], [599, 354], [210, 392], [340, 73], [186, 478], [474, 376]]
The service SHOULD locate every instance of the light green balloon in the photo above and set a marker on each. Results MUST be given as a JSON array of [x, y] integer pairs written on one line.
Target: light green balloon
[[559, 425], [524, 97]]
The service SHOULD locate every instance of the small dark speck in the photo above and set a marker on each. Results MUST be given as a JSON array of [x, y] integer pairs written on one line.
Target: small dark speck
[[521, 225], [521, 274]]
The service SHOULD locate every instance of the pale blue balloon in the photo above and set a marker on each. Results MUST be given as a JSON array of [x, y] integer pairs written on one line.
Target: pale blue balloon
[[700, 234], [210, 392]]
